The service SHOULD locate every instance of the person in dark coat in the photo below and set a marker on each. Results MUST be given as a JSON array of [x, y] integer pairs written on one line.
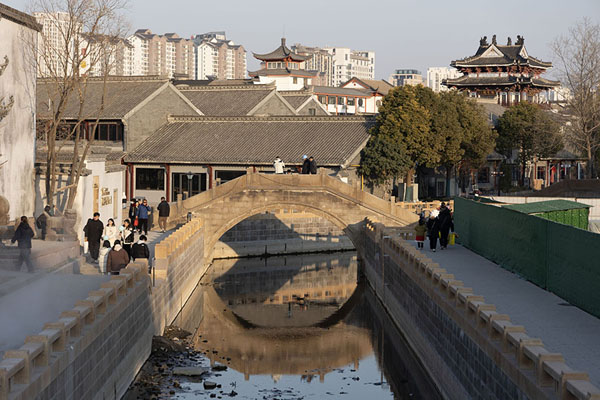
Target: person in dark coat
[[305, 165], [446, 224], [93, 235], [117, 259], [42, 221], [141, 250], [433, 229], [163, 213], [312, 165], [143, 213], [133, 210], [23, 235]]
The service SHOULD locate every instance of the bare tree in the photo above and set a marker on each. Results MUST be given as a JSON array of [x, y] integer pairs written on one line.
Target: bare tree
[[5, 106], [79, 39], [578, 53]]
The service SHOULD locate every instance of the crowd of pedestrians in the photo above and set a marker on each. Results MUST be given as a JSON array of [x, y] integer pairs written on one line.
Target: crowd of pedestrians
[[438, 225], [309, 165], [118, 243]]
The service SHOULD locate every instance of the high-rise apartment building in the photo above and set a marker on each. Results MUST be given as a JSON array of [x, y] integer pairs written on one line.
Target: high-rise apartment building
[[435, 76], [163, 55], [321, 61], [348, 64], [53, 59], [219, 58], [402, 77]]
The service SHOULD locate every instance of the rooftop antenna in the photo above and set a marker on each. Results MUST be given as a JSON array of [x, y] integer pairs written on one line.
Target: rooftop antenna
[[283, 30]]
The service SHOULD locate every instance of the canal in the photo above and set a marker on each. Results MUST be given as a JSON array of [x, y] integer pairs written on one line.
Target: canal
[[293, 327]]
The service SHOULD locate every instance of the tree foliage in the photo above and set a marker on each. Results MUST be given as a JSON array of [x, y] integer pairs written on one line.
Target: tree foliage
[[418, 127], [531, 131]]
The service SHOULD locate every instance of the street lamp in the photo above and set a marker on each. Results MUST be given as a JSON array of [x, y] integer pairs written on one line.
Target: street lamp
[[190, 175]]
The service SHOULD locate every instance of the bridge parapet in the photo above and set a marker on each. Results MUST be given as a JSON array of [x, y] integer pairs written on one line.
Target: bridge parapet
[[396, 268]]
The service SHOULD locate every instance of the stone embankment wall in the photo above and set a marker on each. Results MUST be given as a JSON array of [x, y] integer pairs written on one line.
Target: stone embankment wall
[[469, 349], [95, 349], [281, 231]]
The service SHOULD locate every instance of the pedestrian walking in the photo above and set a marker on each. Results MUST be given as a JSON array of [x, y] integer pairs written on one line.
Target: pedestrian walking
[[42, 221], [305, 165], [133, 210], [141, 250], [278, 165], [312, 165], [22, 236], [433, 229], [420, 231], [446, 225], [111, 232], [163, 213], [127, 236], [143, 213], [117, 259], [93, 234], [103, 258]]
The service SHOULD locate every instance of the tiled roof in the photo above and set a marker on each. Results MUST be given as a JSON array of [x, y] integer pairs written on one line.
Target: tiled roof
[[380, 86], [283, 71], [296, 100], [281, 53], [225, 102], [122, 95], [19, 17], [470, 80], [254, 140], [342, 91], [213, 82], [510, 55]]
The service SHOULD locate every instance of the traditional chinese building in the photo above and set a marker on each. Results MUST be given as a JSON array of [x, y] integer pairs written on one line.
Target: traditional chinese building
[[505, 74], [284, 67]]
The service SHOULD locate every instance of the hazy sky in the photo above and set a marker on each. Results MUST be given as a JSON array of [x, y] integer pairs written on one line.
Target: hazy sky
[[404, 34]]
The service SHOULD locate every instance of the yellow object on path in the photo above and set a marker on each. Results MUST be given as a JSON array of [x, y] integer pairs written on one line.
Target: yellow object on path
[[452, 238]]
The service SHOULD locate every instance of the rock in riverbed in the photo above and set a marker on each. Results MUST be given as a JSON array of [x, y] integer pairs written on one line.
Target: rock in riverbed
[[190, 371]]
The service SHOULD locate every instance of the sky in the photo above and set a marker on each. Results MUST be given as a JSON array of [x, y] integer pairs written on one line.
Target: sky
[[403, 34]]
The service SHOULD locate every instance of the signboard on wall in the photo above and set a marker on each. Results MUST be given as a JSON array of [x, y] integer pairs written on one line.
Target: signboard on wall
[[106, 197]]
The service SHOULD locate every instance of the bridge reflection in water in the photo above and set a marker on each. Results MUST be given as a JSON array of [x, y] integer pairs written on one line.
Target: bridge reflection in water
[[305, 316]]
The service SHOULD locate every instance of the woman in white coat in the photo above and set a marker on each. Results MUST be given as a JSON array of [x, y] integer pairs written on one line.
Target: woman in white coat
[[111, 232]]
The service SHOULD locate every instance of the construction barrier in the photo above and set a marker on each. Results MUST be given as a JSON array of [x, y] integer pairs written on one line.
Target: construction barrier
[[556, 257]]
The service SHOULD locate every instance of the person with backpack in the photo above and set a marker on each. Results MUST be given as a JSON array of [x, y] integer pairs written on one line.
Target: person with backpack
[[23, 235], [93, 234], [117, 259], [141, 250]]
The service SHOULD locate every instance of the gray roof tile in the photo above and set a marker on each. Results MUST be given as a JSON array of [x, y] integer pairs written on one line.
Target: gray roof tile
[[223, 102]]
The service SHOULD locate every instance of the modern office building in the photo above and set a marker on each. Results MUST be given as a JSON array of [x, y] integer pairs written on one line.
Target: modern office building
[[402, 77], [348, 64], [436, 75]]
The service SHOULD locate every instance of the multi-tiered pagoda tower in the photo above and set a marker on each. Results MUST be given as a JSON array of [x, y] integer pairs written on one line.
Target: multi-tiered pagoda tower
[[503, 74]]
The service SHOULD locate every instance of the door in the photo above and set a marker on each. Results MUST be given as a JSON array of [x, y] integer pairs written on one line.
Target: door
[[182, 185]]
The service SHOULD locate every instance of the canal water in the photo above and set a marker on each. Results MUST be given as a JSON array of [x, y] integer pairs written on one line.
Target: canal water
[[296, 327]]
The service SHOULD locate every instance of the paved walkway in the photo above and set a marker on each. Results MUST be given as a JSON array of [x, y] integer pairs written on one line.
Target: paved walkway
[[562, 327], [29, 300]]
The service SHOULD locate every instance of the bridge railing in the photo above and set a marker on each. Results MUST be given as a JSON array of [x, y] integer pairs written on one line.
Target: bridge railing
[[295, 181]]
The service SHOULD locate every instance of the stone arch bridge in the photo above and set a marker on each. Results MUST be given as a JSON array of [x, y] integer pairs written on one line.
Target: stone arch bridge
[[344, 205]]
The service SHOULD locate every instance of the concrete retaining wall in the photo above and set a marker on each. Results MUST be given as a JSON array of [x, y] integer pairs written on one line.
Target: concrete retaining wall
[[470, 350], [95, 350]]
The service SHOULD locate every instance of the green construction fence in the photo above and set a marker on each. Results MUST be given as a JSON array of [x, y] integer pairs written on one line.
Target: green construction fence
[[559, 258]]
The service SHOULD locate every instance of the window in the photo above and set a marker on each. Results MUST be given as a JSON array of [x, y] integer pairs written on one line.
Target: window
[[351, 101], [332, 100], [109, 132], [227, 175], [483, 175], [312, 111], [360, 102], [322, 99], [341, 101], [295, 80], [182, 185], [149, 179]]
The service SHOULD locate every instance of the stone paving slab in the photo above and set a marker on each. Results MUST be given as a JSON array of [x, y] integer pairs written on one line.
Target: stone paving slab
[[562, 327], [31, 300]]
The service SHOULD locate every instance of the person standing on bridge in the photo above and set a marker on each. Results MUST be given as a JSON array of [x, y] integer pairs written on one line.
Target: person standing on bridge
[[164, 210], [446, 224], [305, 165], [93, 234], [117, 259], [312, 165], [433, 229], [278, 165]]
